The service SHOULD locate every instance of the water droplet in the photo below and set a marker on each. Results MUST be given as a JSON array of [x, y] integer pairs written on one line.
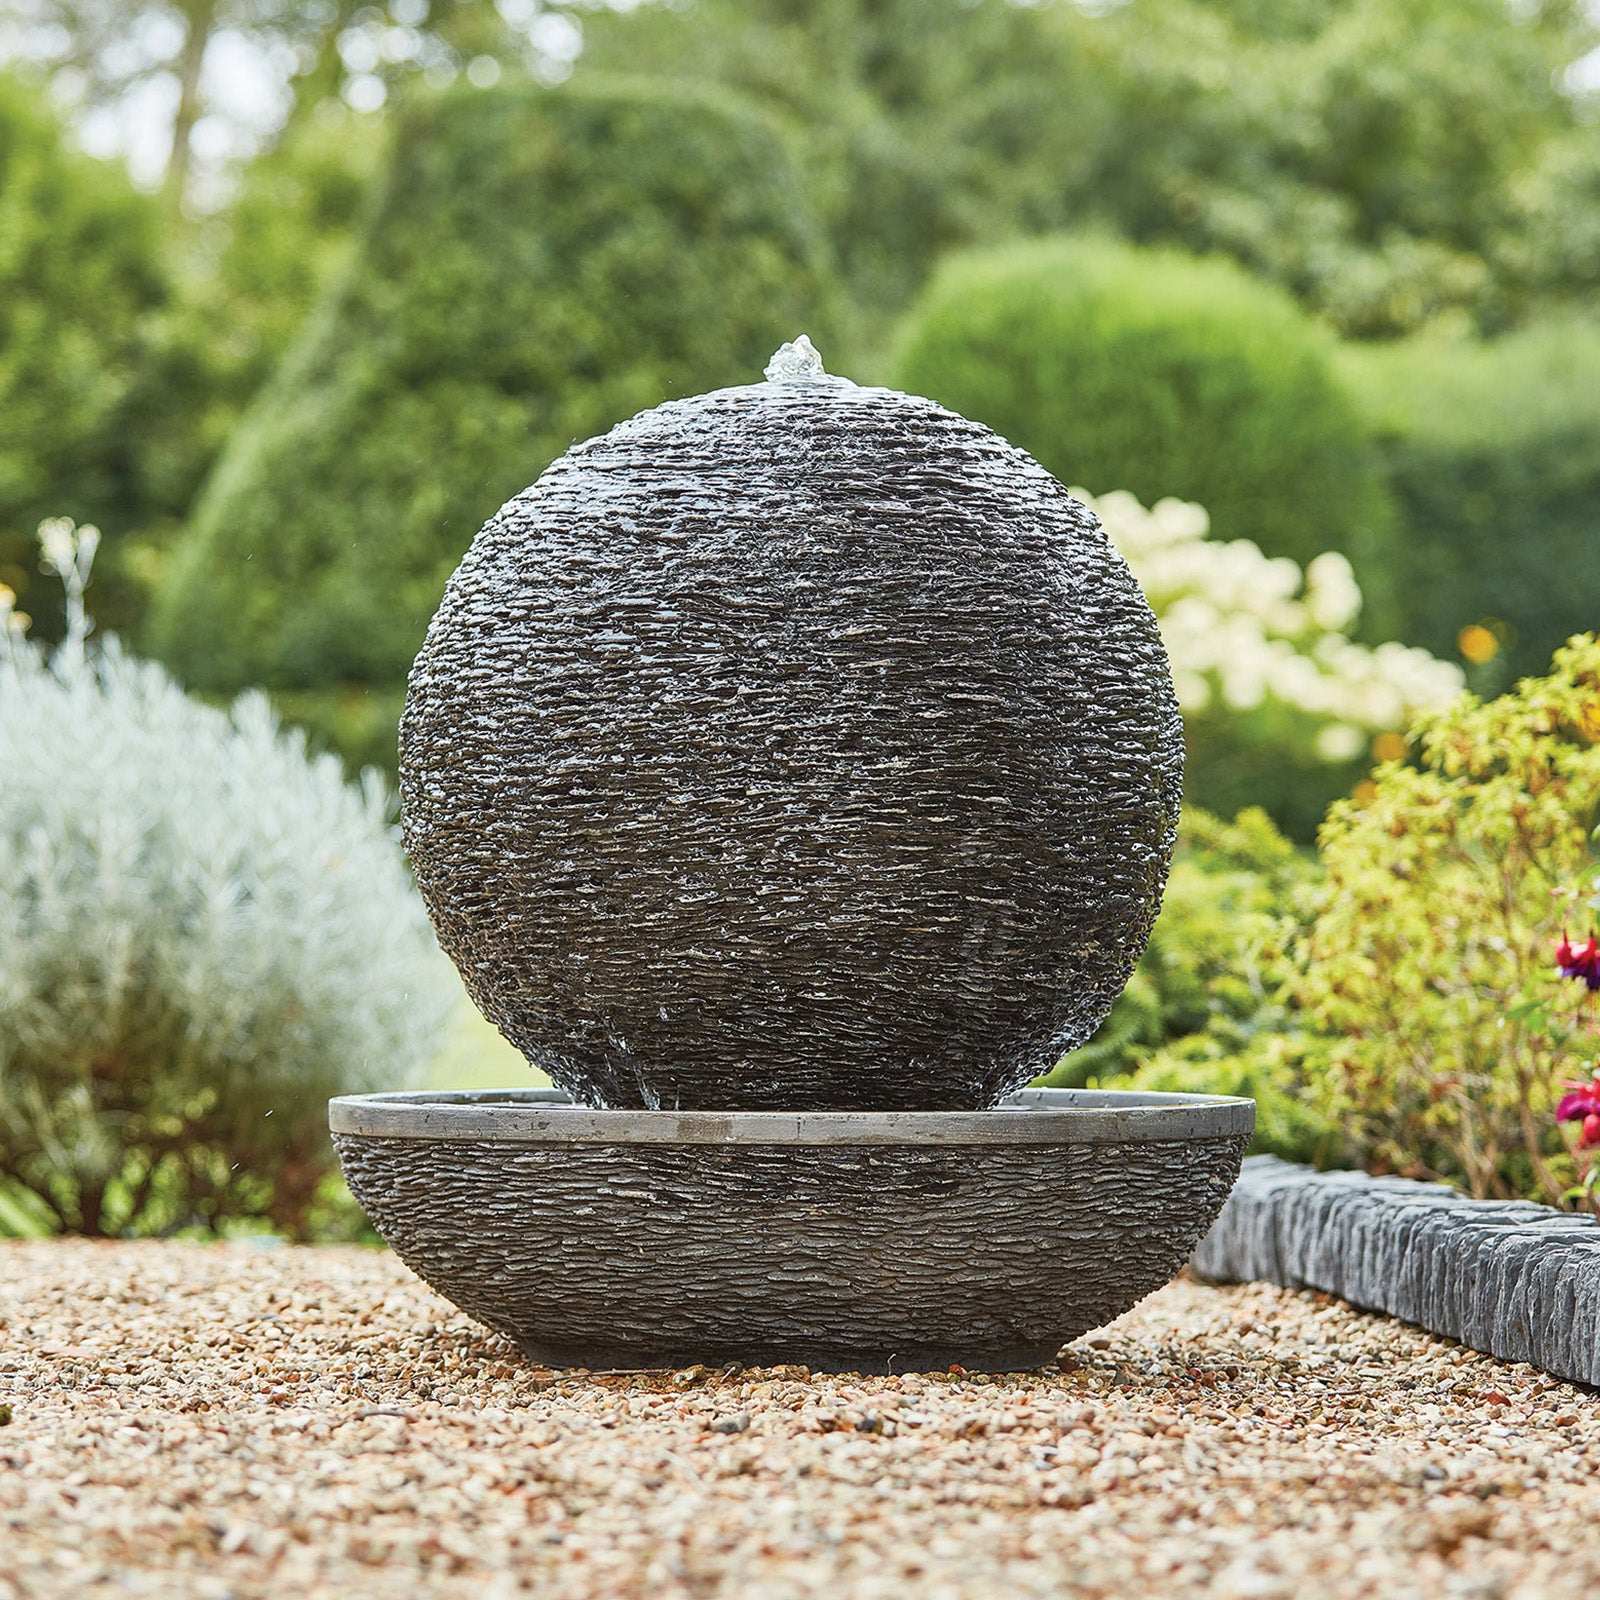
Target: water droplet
[[797, 359]]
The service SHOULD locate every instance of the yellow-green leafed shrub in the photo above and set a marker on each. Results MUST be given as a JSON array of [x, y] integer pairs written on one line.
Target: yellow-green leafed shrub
[[1433, 1023], [1202, 1012]]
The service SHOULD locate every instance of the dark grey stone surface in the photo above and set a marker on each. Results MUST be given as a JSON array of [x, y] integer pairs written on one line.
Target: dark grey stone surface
[[758, 1246], [1516, 1280], [799, 745]]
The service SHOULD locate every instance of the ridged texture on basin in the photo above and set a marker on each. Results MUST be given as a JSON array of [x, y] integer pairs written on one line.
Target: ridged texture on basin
[[796, 745], [852, 1258]]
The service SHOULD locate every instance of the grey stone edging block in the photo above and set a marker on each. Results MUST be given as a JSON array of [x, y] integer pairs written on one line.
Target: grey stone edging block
[[1513, 1279]]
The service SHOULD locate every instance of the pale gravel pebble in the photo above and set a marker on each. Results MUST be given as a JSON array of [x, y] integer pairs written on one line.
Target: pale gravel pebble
[[218, 1422]]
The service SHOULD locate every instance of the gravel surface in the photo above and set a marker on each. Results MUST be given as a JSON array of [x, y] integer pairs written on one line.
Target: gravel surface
[[191, 1420]]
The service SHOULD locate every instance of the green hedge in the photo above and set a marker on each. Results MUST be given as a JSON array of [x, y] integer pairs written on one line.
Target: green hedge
[[539, 265], [1493, 452], [1159, 373], [1265, 756]]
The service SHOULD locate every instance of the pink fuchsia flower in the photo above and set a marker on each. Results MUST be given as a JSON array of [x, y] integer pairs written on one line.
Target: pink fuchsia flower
[[1581, 1104], [1579, 960]]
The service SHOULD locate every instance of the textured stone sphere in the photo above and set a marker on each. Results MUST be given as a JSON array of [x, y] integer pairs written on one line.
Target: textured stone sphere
[[795, 746]]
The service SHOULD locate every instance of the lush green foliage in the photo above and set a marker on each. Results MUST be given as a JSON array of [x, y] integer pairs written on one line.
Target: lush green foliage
[[130, 341], [1390, 162], [534, 265], [203, 934], [247, 277], [82, 290], [541, 264], [1156, 373], [1493, 452], [1205, 988], [923, 124], [1431, 1022]]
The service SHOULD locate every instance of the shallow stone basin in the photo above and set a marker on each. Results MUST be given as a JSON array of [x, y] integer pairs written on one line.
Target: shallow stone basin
[[862, 1241]]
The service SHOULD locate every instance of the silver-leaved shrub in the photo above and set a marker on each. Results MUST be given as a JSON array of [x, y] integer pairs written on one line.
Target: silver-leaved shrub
[[205, 931]]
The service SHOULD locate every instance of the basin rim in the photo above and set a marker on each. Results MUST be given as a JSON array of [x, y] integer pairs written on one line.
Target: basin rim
[[1031, 1116]]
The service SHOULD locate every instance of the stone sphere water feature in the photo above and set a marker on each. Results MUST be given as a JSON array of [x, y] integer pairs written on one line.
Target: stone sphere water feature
[[797, 746], [792, 773]]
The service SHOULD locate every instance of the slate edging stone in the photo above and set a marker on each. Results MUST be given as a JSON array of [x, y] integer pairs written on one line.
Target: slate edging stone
[[1510, 1278]]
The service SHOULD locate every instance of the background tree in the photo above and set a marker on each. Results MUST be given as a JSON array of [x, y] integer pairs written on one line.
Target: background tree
[[83, 290], [247, 277], [124, 58], [1388, 161], [923, 124]]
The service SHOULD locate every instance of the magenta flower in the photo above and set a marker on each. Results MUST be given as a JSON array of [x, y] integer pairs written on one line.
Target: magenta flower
[[1581, 1104], [1579, 961]]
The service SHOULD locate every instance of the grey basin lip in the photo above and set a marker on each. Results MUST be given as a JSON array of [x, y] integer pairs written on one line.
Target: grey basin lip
[[1032, 1116]]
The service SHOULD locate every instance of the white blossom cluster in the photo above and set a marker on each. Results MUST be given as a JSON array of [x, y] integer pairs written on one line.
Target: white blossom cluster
[[189, 898], [1242, 627]]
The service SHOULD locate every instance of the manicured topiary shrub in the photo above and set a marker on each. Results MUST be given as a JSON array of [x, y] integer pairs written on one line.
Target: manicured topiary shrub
[[1158, 373], [203, 934], [539, 264], [1493, 454]]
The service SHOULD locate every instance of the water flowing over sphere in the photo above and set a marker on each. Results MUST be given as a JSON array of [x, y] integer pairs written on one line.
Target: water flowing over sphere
[[795, 746]]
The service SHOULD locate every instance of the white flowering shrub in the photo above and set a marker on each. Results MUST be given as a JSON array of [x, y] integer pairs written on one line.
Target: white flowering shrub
[[1243, 626], [204, 933], [1269, 681]]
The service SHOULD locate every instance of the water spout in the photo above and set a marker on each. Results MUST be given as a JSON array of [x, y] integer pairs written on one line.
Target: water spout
[[797, 359]]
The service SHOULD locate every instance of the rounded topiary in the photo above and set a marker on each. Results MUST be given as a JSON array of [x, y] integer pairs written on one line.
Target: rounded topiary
[[795, 745], [1158, 373], [539, 264]]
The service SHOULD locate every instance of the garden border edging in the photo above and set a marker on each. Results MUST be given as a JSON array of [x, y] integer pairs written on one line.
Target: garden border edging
[[1507, 1277]]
